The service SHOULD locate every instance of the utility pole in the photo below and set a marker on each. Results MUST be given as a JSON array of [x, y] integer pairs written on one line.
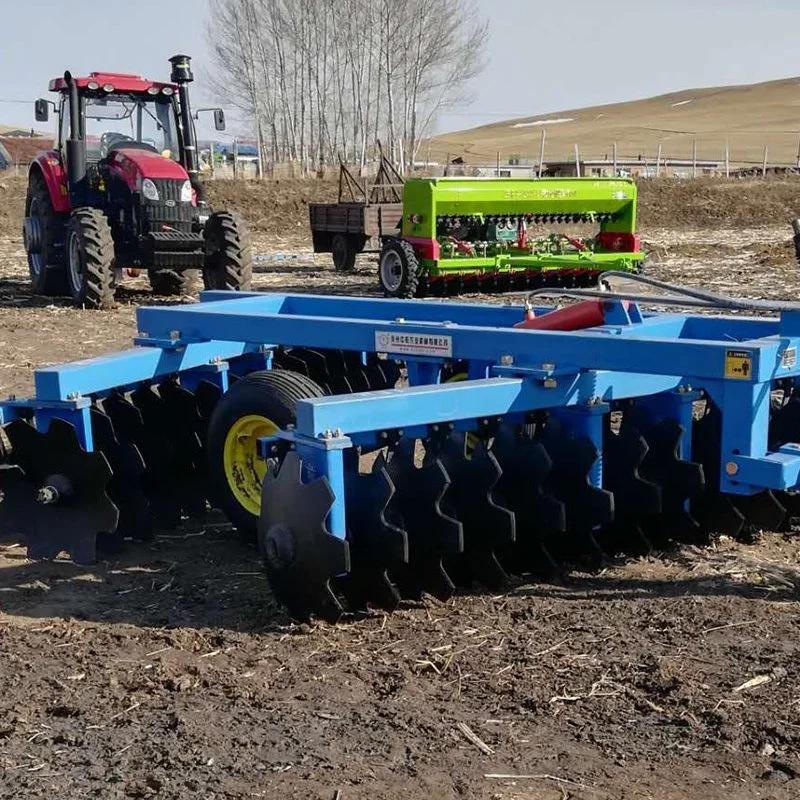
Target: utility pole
[[541, 151]]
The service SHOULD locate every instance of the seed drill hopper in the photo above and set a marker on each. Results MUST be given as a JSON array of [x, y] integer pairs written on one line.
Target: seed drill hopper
[[488, 235], [377, 450]]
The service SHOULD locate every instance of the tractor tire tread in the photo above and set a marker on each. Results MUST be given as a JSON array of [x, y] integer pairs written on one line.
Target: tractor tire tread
[[232, 269], [52, 280], [98, 245], [410, 287]]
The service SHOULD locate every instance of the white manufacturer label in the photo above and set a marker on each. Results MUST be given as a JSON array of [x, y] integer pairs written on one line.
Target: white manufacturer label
[[414, 344], [789, 358]]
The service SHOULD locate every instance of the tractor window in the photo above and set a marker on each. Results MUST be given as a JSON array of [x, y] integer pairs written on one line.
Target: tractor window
[[113, 119]]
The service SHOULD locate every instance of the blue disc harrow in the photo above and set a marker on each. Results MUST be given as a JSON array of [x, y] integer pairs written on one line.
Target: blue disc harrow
[[377, 450]]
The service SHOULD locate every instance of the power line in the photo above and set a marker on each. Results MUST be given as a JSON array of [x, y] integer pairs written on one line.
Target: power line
[[19, 102]]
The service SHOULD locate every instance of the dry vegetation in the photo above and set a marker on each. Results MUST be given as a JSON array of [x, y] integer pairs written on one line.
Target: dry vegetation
[[169, 672], [747, 117]]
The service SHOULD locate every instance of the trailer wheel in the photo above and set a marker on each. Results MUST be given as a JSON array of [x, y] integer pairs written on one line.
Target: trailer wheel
[[90, 259], [43, 228], [343, 250], [255, 406], [228, 260], [398, 269], [169, 282]]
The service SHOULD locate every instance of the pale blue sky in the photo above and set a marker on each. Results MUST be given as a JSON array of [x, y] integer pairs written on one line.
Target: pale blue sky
[[544, 56]]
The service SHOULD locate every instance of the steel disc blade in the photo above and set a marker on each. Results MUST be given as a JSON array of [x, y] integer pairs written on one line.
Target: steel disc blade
[[487, 524], [78, 508], [378, 540], [636, 500], [762, 511], [587, 506], [301, 557], [124, 488], [539, 515], [432, 534], [714, 512], [158, 481], [186, 430], [680, 481]]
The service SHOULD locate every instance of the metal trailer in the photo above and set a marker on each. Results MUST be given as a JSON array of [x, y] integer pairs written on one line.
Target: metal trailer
[[521, 440], [363, 215]]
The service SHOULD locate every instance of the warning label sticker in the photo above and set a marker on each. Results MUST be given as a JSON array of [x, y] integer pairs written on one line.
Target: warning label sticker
[[739, 364], [789, 358], [414, 344]]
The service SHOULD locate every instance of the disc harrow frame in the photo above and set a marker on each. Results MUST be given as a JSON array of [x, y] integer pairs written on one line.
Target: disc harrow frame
[[558, 445]]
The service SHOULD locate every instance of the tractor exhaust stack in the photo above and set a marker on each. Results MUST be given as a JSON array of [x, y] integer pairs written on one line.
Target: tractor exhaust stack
[[183, 76], [75, 146]]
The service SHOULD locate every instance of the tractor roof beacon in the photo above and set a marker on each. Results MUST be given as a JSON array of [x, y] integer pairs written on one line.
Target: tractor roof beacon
[[120, 192]]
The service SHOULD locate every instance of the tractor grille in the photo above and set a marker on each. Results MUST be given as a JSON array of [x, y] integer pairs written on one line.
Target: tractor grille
[[168, 209]]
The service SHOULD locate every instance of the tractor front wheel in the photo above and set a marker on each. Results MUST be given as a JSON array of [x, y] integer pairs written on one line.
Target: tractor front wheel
[[169, 282], [398, 269], [90, 259], [228, 260], [42, 234]]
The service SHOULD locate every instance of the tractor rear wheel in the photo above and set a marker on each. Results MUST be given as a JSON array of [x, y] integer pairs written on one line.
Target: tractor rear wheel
[[90, 259], [398, 269], [343, 250], [258, 405], [168, 282], [228, 259], [42, 233]]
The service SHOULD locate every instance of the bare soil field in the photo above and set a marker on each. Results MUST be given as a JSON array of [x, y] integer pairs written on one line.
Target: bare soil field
[[169, 672]]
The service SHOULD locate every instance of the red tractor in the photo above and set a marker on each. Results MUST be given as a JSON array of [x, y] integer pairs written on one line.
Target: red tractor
[[120, 193]]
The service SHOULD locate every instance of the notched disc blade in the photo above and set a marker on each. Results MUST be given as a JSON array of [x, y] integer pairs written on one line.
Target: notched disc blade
[[301, 557]]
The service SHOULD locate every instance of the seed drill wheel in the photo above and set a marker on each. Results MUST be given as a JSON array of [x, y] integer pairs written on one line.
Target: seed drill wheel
[[42, 229], [90, 259], [398, 269], [255, 406], [343, 250], [228, 260]]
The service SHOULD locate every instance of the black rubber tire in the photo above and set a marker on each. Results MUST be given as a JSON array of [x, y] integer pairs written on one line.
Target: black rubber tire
[[228, 262], [170, 282], [51, 279], [343, 251], [273, 394], [409, 279], [93, 286]]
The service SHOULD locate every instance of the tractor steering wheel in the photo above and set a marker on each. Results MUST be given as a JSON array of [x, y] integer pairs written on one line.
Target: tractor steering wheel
[[111, 140]]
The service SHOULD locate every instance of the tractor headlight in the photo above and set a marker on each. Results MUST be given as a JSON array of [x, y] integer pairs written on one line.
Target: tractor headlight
[[186, 192], [149, 189]]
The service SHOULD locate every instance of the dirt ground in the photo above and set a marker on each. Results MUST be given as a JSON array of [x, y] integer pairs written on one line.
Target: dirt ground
[[170, 673]]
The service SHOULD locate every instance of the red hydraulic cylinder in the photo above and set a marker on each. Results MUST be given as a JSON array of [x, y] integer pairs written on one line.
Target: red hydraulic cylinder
[[586, 314]]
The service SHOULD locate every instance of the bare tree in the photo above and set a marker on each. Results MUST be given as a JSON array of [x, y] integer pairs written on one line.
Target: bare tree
[[322, 80]]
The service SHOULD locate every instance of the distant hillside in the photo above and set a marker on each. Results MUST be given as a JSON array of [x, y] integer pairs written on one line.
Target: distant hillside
[[748, 117]]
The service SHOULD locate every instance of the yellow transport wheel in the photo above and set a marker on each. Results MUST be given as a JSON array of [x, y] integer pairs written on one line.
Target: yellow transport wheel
[[258, 405]]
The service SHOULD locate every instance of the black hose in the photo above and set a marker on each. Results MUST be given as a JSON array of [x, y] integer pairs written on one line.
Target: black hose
[[683, 295]]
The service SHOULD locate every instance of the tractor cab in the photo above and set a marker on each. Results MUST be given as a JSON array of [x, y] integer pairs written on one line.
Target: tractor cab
[[126, 151]]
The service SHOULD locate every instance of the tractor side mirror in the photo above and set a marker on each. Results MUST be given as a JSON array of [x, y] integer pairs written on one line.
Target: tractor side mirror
[[41, 110], [219, 119]]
